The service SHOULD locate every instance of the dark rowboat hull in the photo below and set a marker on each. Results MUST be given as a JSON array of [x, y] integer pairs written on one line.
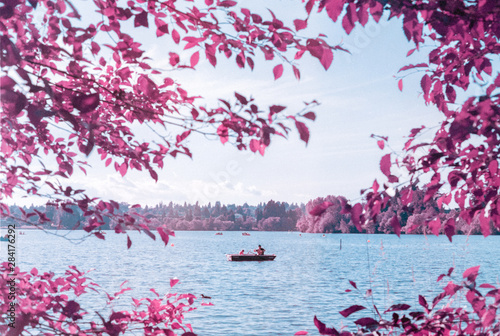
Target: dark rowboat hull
[[250, 257]]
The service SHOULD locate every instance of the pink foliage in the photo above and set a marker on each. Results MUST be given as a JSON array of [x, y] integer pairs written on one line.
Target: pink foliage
[[440, 316], [60, 77], [323, 215], [48, 305], [465, 37]]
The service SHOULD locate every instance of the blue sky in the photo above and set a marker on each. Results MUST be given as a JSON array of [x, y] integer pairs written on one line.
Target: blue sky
[[359, 96]]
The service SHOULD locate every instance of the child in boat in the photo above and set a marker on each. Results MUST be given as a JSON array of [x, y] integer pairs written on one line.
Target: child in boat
[[260, 250], [242, 252]]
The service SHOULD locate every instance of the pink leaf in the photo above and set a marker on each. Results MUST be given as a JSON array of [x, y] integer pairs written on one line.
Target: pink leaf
[[210, 54], [7, 83], [223, 133], [141, 19], [173, 282], [72, 307], [366, 322], [435, 226], [327, 58], [385, 165], [162, 27], [310, 116], [147, 86], [489, 317], [334, 8], [396, 226], [449, 228], [254, 145], [320, 209], [302, 332], [278, 71], [323, 330], [347, 23], [471, 273], [426, 82], [397, 307], [321, 51], [240, 60], [86, 103], [99, 235], [351, 310], [164, 233], [303, 131], [129, 242], [413, 66], [296, 72], [309, 6], [241, 98], [356, 211], [493, 167], [353, 284], [484, 222], [431, 191], [183, 136], [400, 85], [422, 301], [300, 24], [227, 3], [276, 109], [173, 59], [154, 175], [175, 36], [194, 59], [250, 63], [381, 144], [122, 169], [146, 231]]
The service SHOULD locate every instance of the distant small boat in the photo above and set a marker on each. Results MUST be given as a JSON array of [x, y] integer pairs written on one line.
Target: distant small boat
[[246, 234], [250, 257], [218, 234], [4, 239]]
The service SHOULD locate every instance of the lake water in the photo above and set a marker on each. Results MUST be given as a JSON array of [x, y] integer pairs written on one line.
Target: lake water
[[308, 277]]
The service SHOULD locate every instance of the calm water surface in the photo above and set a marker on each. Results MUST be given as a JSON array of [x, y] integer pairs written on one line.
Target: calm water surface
[[308, 277]]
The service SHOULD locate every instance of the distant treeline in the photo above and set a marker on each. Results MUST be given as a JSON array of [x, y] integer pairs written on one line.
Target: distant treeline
[[271, 216], [407, 204]]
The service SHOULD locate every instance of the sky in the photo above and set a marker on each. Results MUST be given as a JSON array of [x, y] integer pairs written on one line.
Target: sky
[[359, 96]]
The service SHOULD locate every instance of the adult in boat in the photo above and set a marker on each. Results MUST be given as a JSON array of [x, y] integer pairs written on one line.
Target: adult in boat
[[260, 250]]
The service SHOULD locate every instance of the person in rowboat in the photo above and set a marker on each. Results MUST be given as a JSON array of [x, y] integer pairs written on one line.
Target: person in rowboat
[[242, 252], [260, 250]]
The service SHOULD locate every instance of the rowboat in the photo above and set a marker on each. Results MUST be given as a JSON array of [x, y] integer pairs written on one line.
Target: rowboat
[[250, 257], [246, 234]]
